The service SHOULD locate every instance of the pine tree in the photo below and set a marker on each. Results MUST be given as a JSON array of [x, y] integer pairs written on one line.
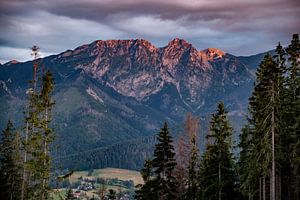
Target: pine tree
[[164, 164], [293, 113], [148, 190], [38, 134], [48, 135], [247, 166], [10, 168], [217, 175], [160, 183], [260, 142], [284, 142], [32, 140]]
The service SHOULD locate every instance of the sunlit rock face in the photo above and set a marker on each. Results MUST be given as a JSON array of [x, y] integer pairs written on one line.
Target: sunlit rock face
[[118, 90], [138, 69]]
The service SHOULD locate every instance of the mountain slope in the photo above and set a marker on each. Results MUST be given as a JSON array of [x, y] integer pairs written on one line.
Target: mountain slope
[[114, 91]]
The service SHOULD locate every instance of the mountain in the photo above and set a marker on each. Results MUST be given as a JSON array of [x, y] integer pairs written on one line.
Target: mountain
[[117, 92]]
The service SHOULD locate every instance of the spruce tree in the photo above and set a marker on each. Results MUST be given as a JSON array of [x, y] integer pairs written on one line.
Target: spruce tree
[[147, 191], [217, 175], [247, 166], [164, 164], [38, 134], [261, 140], [285, 138], [10, 168], [160, 183], [48, 135], [293, 113]]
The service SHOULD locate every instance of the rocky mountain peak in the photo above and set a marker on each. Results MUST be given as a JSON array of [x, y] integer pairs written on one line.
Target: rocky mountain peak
[[212, 54], [12, 62], [179, 51], [179, 43]]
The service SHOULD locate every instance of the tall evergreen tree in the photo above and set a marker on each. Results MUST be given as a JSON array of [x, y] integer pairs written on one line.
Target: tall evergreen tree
[[260, 144], [164, 164], [217, 175], [160, 183], [147, 191], [293, 113], [247, 167], [38, 134], [10, 168], [48, 135]]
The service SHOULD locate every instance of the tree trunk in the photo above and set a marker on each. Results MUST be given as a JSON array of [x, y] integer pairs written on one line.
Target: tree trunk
[[220, 189], [24, 163], [249, 193], [260, 188], [45, 152], [272, 177], [264, 188], [279, 185]]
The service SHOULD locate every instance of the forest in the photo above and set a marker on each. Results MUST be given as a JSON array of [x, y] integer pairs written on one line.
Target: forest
[[264, 165]]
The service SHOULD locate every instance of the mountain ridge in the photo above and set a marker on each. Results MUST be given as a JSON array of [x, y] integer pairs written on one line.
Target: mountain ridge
[[115, 91]]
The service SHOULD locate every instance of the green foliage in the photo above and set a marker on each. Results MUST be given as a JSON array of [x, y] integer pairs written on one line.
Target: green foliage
[[158, 173], [274, 109], [10, 168], [38, 134], [148, 190], [292, 114], [217, 176]]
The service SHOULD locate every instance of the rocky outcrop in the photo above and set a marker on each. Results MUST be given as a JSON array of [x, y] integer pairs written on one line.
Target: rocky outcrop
[[138, 69]]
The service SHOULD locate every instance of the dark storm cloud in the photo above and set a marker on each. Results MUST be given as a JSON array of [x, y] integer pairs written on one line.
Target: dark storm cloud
[[238, 26]]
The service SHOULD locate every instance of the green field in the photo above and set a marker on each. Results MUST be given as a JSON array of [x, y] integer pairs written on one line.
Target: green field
[[106, 173], [122, 174]]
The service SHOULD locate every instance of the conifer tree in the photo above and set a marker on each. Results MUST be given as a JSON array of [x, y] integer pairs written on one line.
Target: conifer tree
[[10, 168], [293, 113], [284, 139], [217, 175], [260, 142], [48, 135], [38, 134], [164, 164], [248, 169], [160, 183], [148, 191]]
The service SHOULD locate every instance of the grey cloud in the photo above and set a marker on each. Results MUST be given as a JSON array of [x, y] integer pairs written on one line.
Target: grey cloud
[[240, 27]]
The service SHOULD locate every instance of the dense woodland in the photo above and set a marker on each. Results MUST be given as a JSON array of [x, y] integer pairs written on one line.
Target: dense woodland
[[267, 166]]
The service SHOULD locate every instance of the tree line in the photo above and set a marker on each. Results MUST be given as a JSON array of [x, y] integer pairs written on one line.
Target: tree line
[[267, 166], [25, 158]]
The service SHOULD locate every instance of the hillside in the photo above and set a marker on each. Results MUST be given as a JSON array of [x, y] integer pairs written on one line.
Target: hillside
[[110, 92]]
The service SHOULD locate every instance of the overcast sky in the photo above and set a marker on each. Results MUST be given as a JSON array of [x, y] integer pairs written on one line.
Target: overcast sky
[[240, 27]]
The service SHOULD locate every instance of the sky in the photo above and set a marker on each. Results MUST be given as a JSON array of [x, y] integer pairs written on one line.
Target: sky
[[239, 27]]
